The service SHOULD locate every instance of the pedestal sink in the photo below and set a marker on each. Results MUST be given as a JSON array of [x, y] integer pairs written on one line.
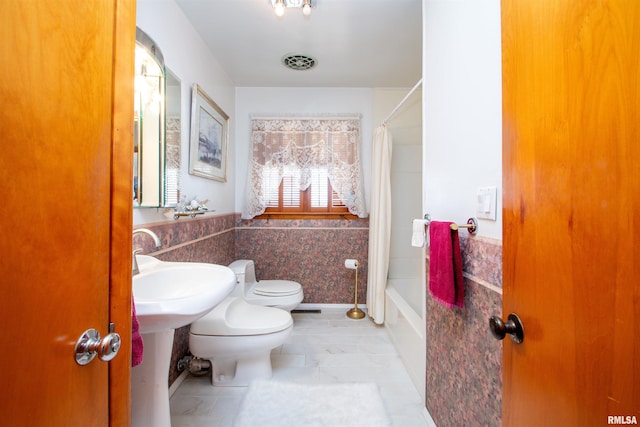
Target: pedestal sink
[[168, 295]]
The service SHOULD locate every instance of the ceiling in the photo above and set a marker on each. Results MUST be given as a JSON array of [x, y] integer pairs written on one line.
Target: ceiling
[[355, 43]]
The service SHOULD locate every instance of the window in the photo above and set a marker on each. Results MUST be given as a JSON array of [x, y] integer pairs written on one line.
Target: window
[[289, 199], [305, 166]]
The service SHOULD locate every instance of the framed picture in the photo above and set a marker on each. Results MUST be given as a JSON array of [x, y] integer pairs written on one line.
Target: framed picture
[[209, 137]]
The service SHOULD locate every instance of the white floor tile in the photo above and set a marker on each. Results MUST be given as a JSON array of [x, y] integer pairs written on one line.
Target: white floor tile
[[323, 347]]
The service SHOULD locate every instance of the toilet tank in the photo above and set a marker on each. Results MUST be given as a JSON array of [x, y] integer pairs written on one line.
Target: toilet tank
[[245, 271]]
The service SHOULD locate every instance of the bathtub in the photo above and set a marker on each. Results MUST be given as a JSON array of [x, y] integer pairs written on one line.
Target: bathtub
[[406, 327]]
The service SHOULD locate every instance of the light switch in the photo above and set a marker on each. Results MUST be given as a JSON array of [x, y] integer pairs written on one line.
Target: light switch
[[486, 203]]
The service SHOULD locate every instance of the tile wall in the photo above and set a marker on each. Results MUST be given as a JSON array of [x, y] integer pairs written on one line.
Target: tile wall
[[311, 252], [464, 361]]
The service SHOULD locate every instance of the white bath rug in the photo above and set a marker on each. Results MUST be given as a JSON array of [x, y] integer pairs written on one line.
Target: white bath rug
[[280, 404]]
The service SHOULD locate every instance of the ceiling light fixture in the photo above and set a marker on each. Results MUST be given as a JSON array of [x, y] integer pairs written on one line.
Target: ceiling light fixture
[[306, 8], [280, 5]]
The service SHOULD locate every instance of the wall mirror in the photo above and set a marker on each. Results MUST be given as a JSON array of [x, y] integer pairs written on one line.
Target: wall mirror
[[172, 140], [149, 123], [156, 151]]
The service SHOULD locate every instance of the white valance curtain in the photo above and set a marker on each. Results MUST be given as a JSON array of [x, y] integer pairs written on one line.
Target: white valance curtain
[[306, 144]]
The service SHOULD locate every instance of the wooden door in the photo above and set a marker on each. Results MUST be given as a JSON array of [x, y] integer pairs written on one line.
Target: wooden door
[[571, 135], [65, 166]]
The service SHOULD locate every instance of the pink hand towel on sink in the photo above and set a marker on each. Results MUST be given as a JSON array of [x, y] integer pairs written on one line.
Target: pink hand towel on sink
[[137, 346], [446, 283]]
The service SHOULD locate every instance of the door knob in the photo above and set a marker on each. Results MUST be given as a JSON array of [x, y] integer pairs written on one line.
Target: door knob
[[89, 345], [513, 326]]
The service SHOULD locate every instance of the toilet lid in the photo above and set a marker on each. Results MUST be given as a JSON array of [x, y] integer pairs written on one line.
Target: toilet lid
[[276, 288], [234, 316]]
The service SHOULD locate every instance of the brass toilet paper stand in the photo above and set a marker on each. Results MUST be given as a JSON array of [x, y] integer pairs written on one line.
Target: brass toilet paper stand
[[355, 312]]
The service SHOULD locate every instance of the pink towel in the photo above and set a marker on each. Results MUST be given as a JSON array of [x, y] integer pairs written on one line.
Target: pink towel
[[137, 346], [446, 283]]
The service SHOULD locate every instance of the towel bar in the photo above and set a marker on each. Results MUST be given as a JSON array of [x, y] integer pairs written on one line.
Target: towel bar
[[471, 225]]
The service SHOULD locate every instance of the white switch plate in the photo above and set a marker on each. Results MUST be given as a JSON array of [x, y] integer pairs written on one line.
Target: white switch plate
[[486, 203]]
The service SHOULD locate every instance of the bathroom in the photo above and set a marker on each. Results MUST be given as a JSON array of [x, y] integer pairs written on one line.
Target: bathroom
[[67, 253], [222, 236], [219, 236]]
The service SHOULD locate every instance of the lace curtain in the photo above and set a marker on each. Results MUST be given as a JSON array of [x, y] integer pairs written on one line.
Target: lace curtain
[[331, 145]]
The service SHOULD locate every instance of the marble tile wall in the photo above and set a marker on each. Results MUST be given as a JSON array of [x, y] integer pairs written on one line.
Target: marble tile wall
[[311, 252], [464, 362]]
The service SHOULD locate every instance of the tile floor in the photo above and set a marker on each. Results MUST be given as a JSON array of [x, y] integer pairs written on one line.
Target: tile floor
[[323, 347]]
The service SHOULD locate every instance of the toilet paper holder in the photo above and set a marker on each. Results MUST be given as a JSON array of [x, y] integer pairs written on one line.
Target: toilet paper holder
[[354, 313]]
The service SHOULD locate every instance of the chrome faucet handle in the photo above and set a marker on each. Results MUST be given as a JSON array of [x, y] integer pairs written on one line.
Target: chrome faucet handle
[[134, 269], [150, 233]]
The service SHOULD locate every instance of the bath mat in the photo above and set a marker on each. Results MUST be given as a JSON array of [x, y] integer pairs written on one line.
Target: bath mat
[[281, 404]]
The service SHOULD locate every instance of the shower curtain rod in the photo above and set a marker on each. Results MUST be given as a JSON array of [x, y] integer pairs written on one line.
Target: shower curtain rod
[[384, 122]]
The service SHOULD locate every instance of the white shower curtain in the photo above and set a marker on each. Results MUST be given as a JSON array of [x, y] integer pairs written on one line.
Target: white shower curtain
[[379, 222]]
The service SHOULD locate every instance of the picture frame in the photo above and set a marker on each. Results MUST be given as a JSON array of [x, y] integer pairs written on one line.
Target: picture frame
[[209, 137]]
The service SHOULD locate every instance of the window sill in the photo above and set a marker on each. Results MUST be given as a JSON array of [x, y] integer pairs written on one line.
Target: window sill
[[293, 215]]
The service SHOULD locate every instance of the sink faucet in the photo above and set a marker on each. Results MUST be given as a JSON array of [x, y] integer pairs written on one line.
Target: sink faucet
[[156, 240]]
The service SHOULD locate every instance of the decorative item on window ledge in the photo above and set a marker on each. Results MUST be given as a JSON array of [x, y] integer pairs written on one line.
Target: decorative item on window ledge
[[190, 207], [280, 5]]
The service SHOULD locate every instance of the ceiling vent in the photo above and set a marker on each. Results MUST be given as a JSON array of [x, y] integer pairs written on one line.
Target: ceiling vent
[[297, 61]]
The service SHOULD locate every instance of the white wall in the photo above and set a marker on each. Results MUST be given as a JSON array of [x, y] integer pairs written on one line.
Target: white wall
[[462, 115], [187, 56], [297, 102]]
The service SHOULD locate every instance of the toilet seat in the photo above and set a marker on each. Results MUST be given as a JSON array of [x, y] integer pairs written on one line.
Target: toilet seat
[[235, 317], [283, 294], [277, 288]]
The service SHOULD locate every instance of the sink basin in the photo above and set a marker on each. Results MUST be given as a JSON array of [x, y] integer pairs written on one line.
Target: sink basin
[[169, 295]]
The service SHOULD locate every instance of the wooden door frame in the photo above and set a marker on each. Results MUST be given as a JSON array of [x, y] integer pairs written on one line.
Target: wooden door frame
[[120, 292]]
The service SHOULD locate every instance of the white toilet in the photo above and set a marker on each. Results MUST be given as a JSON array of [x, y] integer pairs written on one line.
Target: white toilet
[[237, 338], [284, 294]]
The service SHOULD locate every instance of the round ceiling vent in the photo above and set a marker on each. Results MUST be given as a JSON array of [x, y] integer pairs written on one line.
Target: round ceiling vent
[[297, 61]]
